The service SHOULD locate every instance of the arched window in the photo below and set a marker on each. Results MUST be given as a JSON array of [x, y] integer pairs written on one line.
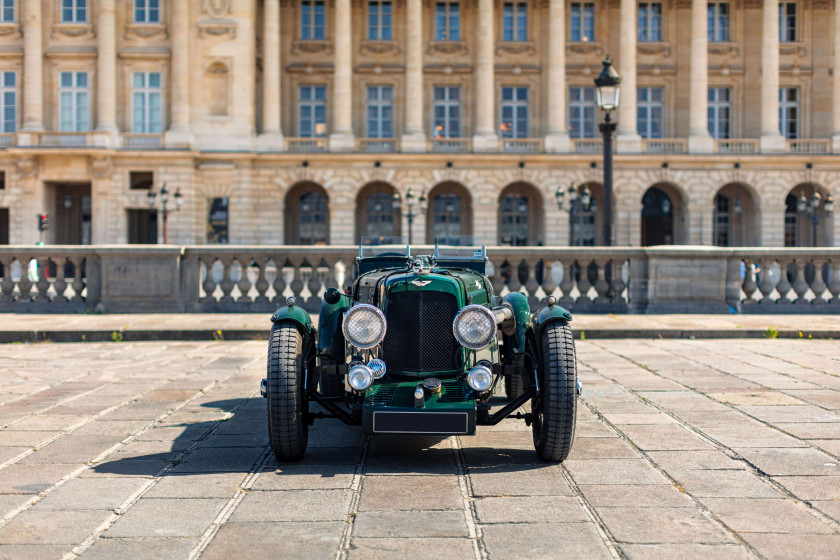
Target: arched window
[[307, 215], [375, 212], [657, 218], [735, 221], [722, 221], [809, 217], [449, 212], [520, 216]]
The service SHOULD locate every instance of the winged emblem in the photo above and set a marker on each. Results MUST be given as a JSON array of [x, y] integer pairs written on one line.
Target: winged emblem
[[421, 283]]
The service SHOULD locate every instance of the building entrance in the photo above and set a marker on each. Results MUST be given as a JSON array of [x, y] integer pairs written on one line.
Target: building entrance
[[657, 218], [72, 212], [142, 226]]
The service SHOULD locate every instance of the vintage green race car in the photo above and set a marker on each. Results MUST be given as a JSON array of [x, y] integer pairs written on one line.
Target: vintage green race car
[[417, 346]]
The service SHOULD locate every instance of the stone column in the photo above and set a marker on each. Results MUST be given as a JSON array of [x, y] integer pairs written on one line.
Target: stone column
[[699, 139], [485, 139], [835, 86], [627, 137], [272, 133], [557, 139], [179, 133], [413, 138], [771, 136], [106, 79], [33, 72], [342, 139]]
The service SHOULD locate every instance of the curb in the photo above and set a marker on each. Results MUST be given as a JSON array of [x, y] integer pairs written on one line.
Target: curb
[[219, 335]]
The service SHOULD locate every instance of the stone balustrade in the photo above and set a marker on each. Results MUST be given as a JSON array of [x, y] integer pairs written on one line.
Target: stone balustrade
[[230, 278]]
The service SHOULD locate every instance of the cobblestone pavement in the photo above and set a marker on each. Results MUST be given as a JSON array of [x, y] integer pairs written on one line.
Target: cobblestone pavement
[[685, 449]]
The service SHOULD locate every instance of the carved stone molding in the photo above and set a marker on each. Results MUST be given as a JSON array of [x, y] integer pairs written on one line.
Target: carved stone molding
[[76, 30], [101, 167], [448, 47], [145, 31], [662, 49], [724, 48], [585, 48], [822, 4], [27, 166], [216, 8], [12, 31], [527, 48], [798, 49], [312, 47], [216, 28], [379, 48]]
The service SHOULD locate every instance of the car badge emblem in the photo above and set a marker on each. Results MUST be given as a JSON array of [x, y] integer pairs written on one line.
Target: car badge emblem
[[478, 284], [421, 282]]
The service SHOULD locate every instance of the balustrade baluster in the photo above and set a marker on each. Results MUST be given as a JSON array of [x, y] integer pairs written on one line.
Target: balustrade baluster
[[279, 282], [548, 283], [297, 280], [497, 280], [800, 286], [227, 283], [766, 285], [25, 284], [567, 284], [601, 285], [330, 262], [749, 285], [78, 278], [515, 284], [60, 282], [314, 285], [617, 284], [209, 283], [8, 285], [783, 287], [833, 286], [43, 282], [531, 283], [818, 285], [244, 283], [262, 283], [583, 282]]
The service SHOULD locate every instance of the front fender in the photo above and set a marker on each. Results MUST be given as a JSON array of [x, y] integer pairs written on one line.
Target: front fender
[[295, 315], [544, 317], [515, 342], [330, 333]]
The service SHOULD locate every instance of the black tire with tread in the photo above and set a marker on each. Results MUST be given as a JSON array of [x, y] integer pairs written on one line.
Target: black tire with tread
[[288, 423], [554, 423]]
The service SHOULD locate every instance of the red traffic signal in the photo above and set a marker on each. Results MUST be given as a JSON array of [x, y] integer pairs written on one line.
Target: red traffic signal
[[43, 222]]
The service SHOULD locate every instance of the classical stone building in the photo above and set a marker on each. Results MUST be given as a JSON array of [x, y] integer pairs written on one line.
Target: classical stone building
[[296, 121]]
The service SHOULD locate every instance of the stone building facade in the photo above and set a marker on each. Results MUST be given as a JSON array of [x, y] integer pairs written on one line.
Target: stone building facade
[[297, 121]]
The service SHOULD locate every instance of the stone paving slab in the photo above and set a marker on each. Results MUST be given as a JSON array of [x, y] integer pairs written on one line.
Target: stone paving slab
[[684, 449], [26, 327]]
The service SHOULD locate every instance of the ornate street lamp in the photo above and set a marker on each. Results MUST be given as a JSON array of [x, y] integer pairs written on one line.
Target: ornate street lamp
[[578, 206], [811, 207], [409, 201], [164, 199], [606, 96]]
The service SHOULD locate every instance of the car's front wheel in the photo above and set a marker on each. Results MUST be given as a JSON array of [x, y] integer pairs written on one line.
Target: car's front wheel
[[555, 407], [288, 408]]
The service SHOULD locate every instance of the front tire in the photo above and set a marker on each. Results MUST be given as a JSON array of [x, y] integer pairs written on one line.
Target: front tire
[[555, 407], [288, 409]]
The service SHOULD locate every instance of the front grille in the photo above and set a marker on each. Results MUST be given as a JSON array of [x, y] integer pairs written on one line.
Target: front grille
[[419, 338]]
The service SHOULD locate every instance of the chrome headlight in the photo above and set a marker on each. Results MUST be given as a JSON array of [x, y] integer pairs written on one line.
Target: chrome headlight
[[360, 377], [480, 378], [364, 326], [474, 327]]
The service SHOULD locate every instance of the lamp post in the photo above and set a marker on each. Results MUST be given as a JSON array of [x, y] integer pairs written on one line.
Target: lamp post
[[606, 95], [409, 201], [578, 205], [811, 207], [164, 199]]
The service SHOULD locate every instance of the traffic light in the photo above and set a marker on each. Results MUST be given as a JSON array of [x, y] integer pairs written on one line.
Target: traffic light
[[43, 222]]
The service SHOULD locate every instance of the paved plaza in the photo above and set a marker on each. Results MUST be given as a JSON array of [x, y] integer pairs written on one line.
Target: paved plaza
[[684, 449]]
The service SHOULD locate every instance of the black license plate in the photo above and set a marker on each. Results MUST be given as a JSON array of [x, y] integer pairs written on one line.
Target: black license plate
[[420, 422]]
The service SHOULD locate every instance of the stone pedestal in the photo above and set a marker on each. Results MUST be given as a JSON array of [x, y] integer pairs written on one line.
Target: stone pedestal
[[413, 143]]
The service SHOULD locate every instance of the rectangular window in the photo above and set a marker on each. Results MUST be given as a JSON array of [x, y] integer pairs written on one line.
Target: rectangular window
[[147, 11], [720, 112], [380, 17], [447, 112], [8, 102], [515, 109], [718, 22], [7, 11], [582, 111], [447, 21], [515, 21], [650, 22], [74, 11], [582, 22], [312, 112], [649, 111], [312, 20], [380, 112], [789, 112], [74, 102], [787, 22], [146, 96]]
